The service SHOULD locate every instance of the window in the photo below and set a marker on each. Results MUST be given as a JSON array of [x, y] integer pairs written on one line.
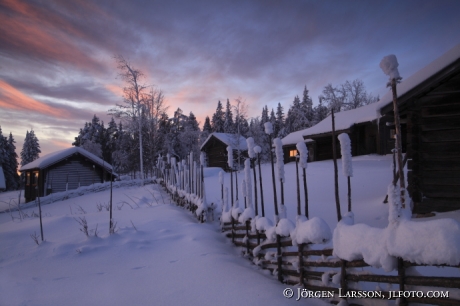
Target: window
[[293, 153], [28, 178]]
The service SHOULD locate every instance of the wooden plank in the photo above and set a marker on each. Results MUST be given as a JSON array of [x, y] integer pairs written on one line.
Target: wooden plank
[[436, 204], [437, 301], [324, 264], [441, 110], [442, 181], [446, 282], [441, 136], [373, 278], [446, 122], [440, 191], [438, 165], [325, 252]]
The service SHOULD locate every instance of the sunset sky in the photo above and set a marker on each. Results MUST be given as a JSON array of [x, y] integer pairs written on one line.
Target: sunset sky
[[57, 67]]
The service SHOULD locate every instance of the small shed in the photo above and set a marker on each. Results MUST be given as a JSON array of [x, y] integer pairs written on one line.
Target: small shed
[[429, 101], [215, 148], [64, 170]]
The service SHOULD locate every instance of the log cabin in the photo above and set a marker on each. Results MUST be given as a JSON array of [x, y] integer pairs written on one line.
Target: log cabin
[[64, 170], [429, 103], [215, 148]]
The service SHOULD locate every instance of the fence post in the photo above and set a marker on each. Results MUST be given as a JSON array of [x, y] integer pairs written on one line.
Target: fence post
[[343, 276], [401, 276], [301, 277], [279, 258]]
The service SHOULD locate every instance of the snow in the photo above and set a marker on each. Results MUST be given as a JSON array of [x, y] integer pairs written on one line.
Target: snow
[[268, 128], [247, 182], [361, 241], [314, 230], [345, 149], [303, 154], [432, 242], [257, 149], [284, 227], [389, 65], [2, 179], [157, 241], [228, 139], [250, 143], [160, 255], [57, 156], [279, 159], [230, 157]]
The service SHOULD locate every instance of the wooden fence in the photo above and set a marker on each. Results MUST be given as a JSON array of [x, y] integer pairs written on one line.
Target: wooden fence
[[310, 269]]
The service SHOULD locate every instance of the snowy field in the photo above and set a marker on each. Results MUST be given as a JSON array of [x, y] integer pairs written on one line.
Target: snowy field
[[160, 254]]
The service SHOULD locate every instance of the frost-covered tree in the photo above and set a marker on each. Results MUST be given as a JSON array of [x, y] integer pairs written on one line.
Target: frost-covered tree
[[30, 149], [296, 118], [9, 161], [349, 95], [307, 106], [217, 120], [279, 122], [229, 125], [207, 130], [320, 112]]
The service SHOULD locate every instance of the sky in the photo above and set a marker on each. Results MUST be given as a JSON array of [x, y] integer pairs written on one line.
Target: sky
[[57, 66]]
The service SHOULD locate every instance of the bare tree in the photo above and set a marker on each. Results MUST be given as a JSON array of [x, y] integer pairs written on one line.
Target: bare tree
[[135, 97], [349, 95]]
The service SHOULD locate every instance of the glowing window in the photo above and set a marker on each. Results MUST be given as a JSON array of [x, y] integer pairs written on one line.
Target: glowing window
[[293, 153]]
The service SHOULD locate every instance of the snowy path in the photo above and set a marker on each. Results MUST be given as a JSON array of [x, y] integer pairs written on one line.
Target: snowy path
[[170, 260]]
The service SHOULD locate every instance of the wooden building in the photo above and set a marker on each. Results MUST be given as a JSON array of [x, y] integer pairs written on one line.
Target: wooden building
[[429, 101], [2, 180], [64, 170], [368, 132], [215, 148]]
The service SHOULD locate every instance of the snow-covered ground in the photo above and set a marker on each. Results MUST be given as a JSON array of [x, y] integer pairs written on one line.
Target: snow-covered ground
[[160, 254]]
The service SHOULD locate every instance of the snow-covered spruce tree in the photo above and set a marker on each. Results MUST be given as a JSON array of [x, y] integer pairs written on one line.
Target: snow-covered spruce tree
[[279, 122], [296, 118], [207, 130], [307, 106], [229, 125], [189, 137], [11, 166], [320, 112], [30, 149], [217, 120]]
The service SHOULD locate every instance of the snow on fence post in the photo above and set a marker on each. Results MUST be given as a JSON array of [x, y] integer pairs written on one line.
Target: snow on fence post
[[303, 160], [280, 173], [347, 166], [230, 165], [247, 175], [258, 150], [221, 182], [269, 130], [336, 179], [252, 156], [389, 65]]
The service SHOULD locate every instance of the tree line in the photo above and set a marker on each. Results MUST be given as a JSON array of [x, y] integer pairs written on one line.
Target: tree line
[[9, 158]]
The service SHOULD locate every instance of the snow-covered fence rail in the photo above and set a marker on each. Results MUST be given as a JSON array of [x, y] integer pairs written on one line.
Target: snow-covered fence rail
[[185, 185], [320, 270]]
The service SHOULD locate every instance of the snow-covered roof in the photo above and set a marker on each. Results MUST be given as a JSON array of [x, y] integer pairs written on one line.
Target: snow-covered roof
[[423, 74], [228, 139], [2, 179], [344, 120], [52, 158]]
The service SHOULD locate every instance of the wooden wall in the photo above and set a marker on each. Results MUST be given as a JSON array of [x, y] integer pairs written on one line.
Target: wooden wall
[[70, 173], [434, 153]]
